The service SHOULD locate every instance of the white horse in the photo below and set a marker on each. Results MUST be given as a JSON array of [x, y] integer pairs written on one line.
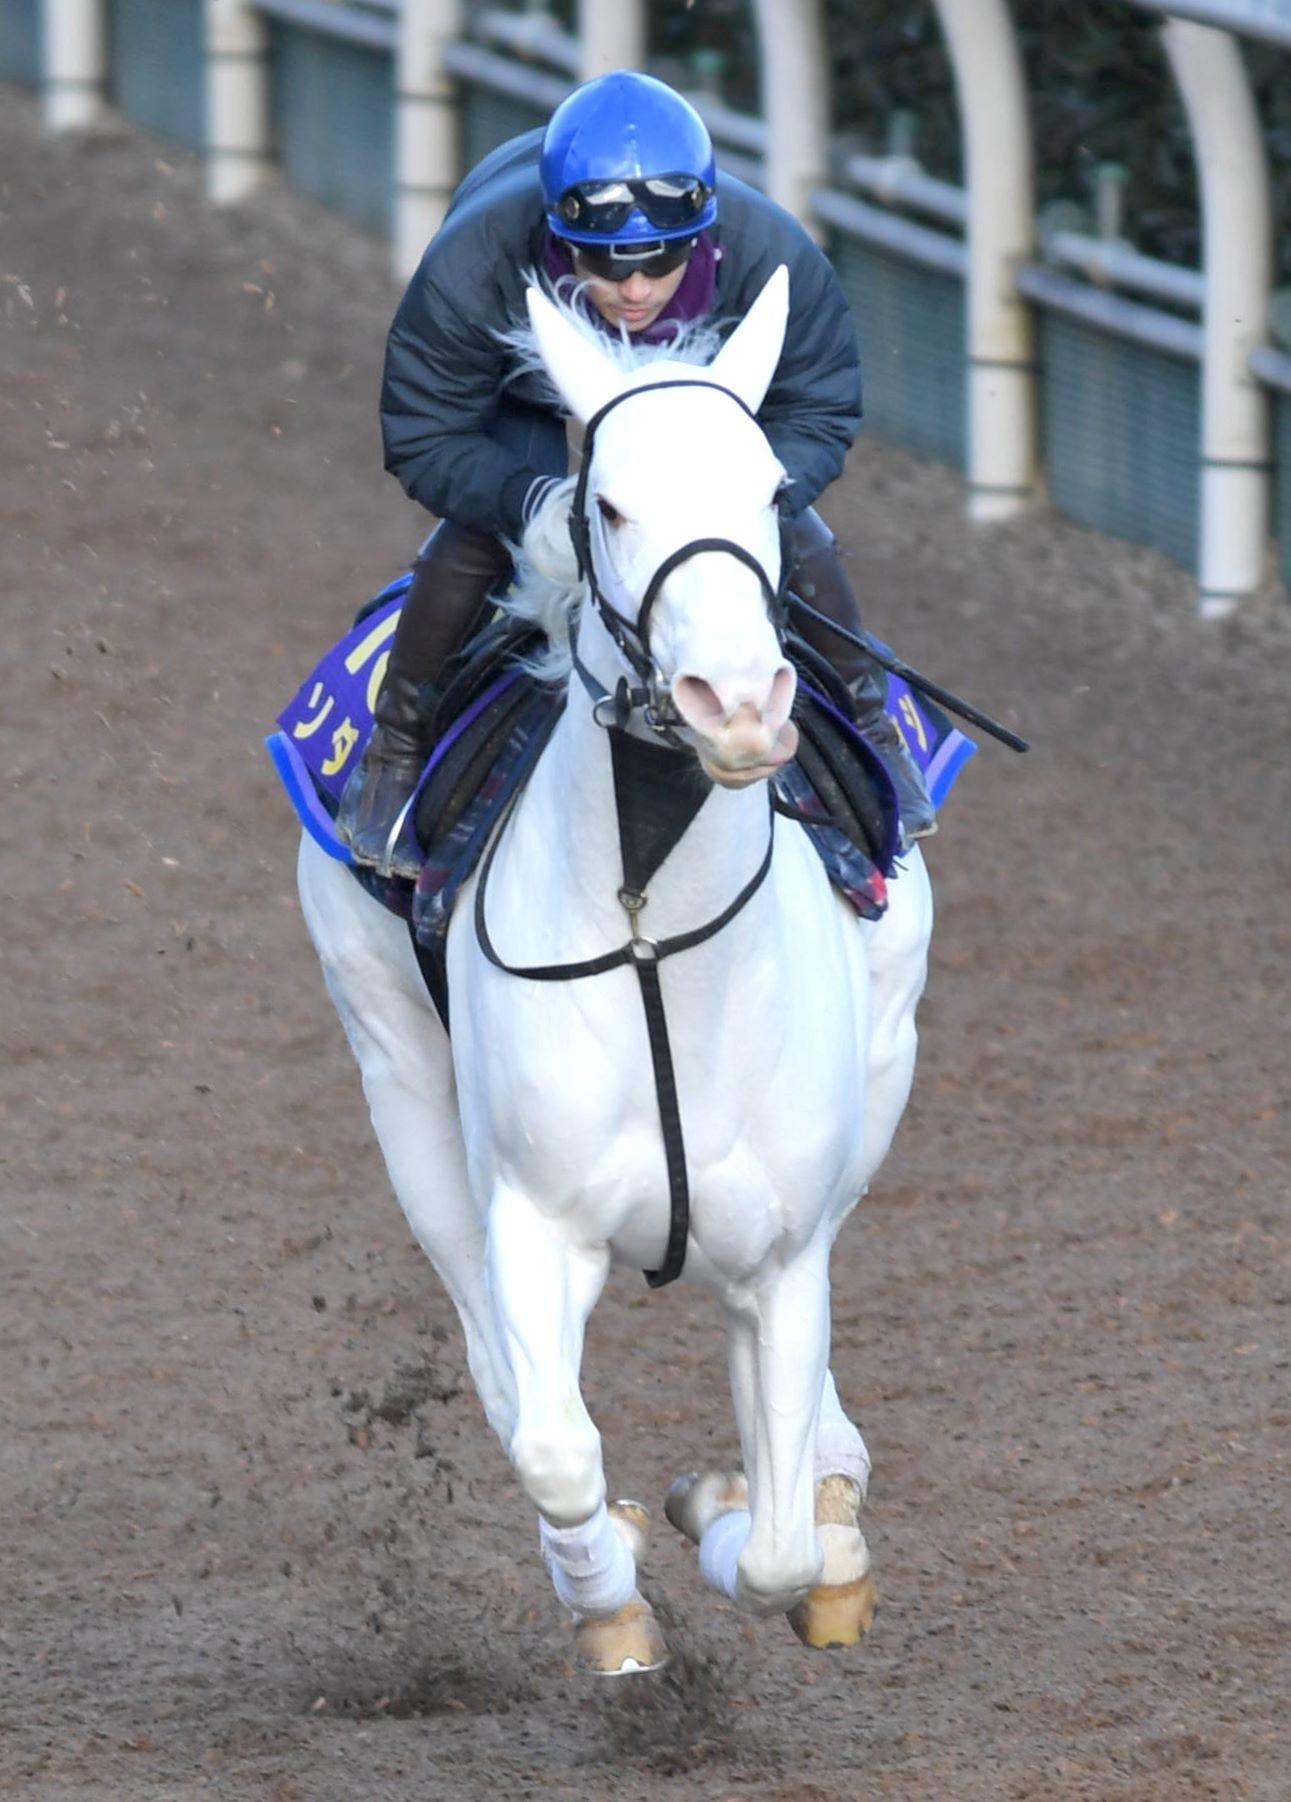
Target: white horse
[[528, 1155]]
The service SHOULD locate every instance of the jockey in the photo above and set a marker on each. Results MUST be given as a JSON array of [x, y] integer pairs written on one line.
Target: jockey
[[621, 194]]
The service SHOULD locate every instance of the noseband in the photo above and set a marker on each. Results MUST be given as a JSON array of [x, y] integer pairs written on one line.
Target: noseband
[[650, 696]]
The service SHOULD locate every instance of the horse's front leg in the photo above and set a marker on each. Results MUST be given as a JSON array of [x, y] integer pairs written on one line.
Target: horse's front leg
[[544, 1287], [776, 1345], [782, 1557]]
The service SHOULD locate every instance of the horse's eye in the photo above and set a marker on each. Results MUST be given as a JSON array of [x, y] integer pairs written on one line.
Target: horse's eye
[[609, 512]]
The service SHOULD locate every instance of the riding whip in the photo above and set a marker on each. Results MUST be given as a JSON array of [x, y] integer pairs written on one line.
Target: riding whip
[[875, 648]]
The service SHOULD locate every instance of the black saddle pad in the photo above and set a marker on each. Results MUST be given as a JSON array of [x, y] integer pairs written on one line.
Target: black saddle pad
[[849, 778], [466, 762]]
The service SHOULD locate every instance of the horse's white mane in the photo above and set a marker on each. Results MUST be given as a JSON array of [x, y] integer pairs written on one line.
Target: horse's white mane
[[547, 588]]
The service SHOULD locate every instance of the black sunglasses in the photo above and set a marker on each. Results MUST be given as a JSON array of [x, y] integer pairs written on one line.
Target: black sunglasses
[[603, 206], [611, 265]]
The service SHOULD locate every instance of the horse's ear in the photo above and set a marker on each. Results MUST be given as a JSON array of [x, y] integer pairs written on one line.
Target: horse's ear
[[748, 359], [584, 375]]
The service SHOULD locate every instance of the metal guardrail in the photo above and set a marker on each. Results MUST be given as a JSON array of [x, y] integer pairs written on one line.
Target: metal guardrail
[[891, 231], [1272, 367], [901, 181], [20, 35], [530, 35], [737, 131], [1267, 19], [502, 75], [375, 26], [1111, 262], [1110, 313]]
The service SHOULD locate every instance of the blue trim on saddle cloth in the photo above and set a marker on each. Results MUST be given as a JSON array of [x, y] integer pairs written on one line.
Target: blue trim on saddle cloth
[[302, 792], [328, 721], [934, 741]]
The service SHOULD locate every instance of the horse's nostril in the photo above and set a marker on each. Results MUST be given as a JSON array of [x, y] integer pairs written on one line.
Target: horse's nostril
[[780, 701], [699, 703]]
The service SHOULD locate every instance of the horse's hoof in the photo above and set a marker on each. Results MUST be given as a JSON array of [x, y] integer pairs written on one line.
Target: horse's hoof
[[625, 1644], [833, 1616], [693, 1502], [631, 1521], [841, 1606]]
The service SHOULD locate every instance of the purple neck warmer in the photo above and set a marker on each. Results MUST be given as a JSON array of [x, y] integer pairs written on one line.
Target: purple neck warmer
[[693, 299]]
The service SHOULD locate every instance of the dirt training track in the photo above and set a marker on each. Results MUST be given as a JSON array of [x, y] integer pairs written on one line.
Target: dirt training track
[[256, 1543]]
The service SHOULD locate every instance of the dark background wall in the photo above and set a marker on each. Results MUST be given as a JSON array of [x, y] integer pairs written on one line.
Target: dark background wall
[[1099, 84]]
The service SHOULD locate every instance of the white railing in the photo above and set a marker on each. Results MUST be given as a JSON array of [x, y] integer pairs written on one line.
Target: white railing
[[1267, 19], [982, 233]]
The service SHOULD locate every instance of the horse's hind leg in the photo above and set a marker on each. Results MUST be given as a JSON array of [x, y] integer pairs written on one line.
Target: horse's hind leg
[[840, 1449], [544, 1288], [897, 950], [406, 1064], [838, 1609]]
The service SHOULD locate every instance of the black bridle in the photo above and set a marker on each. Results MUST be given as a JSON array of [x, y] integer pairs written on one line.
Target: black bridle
[[652, 700], [650, 696]]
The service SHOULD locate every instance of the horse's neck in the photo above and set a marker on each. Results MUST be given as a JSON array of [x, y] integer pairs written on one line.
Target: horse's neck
[[717, 855]]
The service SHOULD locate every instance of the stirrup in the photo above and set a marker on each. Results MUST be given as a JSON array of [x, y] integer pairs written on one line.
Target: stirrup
[[375, 807]]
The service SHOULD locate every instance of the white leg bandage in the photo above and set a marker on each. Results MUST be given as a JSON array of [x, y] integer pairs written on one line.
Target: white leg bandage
[[840, 1450], [592, 1569], [720, 1548]]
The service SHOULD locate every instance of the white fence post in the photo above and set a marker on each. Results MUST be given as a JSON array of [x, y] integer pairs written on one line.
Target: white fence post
[[426, 152], [73, 62], [999, 180], [795, 101], [1237, 263], [611, 35], [236, 74]]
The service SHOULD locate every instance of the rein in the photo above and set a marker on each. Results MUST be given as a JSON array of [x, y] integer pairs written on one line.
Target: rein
[[614, 712]]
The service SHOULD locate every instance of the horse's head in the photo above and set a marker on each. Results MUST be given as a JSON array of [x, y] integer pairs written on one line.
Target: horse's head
[[677, 460]]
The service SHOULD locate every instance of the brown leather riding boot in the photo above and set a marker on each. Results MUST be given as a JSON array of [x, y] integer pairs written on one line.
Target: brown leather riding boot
[[818, 576], [449, 592]]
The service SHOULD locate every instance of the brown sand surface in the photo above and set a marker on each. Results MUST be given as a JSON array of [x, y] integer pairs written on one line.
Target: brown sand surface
[[255, 1541]]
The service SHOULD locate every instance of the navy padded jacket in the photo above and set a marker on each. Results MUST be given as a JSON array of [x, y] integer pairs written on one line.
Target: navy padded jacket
[[447, 375]]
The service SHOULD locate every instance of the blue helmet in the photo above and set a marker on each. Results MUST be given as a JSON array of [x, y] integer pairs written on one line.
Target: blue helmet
[[625, 160]]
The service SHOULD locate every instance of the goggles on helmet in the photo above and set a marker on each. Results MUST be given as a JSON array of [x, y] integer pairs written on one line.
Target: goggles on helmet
[[603, 207], [618, 262]]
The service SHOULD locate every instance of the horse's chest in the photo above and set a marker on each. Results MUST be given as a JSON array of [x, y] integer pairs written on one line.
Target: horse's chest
[[558, 1094]]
